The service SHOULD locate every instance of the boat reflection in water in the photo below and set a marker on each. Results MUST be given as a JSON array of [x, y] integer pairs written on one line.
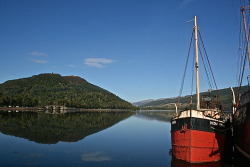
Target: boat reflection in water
[[239, 160], [52, 128], [180, 163]]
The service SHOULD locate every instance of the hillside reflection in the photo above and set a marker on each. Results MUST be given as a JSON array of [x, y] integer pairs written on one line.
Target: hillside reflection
[[156, 115], [50, 128]]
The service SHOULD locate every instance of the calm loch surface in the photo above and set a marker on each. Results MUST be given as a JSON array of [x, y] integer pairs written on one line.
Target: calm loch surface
[[86, 139]]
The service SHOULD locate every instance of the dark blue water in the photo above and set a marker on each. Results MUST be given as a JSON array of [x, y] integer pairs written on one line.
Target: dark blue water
[[33, 140], [88, 139]]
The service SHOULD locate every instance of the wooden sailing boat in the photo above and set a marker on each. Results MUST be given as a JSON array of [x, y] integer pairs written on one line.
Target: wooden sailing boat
[[241, 115], [198, 135]]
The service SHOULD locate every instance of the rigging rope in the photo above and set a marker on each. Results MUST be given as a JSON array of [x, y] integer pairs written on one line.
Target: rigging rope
[[243, 53], [193, 74], [211, 71], [208, 62], [243, 69], [185, 70], [240, 52], [205, 67]]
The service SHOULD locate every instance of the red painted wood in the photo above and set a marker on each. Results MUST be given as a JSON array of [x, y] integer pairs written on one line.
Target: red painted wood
[[197, 146]]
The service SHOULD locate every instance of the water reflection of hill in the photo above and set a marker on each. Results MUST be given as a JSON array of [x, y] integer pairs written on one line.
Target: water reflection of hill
[[156, 115], [50, 129]]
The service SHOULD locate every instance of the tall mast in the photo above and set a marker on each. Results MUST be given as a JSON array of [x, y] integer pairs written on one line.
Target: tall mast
[[246, 30], [197, 63]]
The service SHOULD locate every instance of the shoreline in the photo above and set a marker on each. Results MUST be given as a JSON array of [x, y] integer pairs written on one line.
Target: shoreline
[[67, 110]]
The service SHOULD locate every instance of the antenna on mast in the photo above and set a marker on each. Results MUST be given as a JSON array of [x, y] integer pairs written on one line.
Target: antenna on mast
[[190, 21]]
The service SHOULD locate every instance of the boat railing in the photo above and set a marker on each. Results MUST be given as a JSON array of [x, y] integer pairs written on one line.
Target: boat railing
[[215, 113]]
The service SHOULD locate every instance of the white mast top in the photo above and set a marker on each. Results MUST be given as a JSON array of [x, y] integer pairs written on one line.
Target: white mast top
[[197, 63]]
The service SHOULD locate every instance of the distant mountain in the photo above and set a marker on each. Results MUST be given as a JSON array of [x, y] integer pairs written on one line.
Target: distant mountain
[[225, 96], [53, 89], [143, 102]]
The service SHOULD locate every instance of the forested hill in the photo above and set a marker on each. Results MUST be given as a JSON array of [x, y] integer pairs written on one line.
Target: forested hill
[[54, 89], [225, 96]]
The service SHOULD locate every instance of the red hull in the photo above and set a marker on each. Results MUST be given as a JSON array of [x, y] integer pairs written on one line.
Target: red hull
[[197, 146]]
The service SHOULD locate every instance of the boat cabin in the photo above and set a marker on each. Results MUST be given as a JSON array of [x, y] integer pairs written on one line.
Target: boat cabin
[[209, 102]]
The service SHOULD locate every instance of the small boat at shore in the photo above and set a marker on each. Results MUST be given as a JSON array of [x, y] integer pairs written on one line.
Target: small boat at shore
[[199, 133]]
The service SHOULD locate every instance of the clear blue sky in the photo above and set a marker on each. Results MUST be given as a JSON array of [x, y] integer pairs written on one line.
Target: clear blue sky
[[134, 48]]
